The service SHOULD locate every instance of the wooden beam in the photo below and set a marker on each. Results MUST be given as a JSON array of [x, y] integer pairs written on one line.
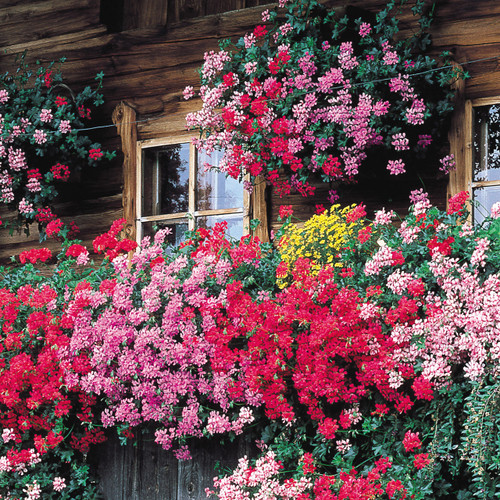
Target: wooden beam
[[30, 21], [259, 209], [124, 117], [457, 139]]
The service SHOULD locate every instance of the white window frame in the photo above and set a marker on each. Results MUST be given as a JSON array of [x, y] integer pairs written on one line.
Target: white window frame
[[192, 214]]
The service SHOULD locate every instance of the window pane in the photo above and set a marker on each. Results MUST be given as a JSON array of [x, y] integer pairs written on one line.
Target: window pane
[[165, 171], [485, 197], [234, 223], [214, 190], [178, 227], [487, 143]]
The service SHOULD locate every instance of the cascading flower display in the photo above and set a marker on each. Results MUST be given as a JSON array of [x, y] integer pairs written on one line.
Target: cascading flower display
[[374, 378], [144, 335], [40, 143], [315, 93]]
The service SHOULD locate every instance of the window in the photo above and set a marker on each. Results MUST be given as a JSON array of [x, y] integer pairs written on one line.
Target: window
[[177, 192], [485, 180]]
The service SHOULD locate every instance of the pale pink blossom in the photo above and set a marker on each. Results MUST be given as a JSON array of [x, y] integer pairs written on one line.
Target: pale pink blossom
[[17, 159], [447, 163], [495, 210], [400, 142], [8, 435], [343, 445], [383, 218], [415, 114], [46, 115], [40, 137], [188, 92], [64, 127], [25, 207], [33, 185], [364, 30], [396, 167], [59, 483]]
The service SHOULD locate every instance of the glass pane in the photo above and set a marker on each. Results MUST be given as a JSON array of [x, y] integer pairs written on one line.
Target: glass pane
[[165, 175], [487, 143], [178, 227], [234, 223], [214, 190], [485, 197]]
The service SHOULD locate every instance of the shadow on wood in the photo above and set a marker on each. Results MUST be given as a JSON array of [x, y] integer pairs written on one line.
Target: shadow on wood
[[144, 471]]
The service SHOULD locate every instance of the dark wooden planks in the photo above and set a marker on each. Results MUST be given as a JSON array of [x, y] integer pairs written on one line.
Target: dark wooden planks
[[27, 21], [125, 119], [144, 13], [142, 470]]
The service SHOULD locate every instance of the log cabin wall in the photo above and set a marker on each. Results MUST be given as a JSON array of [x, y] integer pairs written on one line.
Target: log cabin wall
[[150, 50]]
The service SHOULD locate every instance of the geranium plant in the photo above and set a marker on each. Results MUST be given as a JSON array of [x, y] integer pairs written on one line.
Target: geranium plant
[[367, 368], [40, 142], [312, 93]]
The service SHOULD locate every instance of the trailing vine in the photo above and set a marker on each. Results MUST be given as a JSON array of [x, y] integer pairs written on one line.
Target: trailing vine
[[313, 93], [40, 142]]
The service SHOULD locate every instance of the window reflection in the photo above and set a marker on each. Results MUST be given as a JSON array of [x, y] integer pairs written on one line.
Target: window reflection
[[171, 198], [215, 191], [485, 198], [486, 143], [165, 180], [177, 228], [234, 224]]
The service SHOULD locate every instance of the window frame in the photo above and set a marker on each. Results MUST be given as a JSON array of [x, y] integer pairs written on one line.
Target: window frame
[[192, 214], [462, 146], [475, 103]]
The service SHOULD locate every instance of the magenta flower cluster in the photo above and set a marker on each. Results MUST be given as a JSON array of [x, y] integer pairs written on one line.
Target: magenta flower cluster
[[144, 334], [318, 109]]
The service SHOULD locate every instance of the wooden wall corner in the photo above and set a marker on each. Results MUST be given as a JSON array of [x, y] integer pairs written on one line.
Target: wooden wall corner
[[125, 118], [459, 138], [259, 209]]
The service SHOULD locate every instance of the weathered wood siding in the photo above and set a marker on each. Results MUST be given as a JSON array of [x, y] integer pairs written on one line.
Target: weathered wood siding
[[146, 67], [144, 471]]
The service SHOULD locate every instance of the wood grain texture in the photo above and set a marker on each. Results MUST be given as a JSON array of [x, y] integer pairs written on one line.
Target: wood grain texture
[[457, 137], [144, 13], [125, 118], [29, 21], [93, 216], [260, 209], [142, 470]]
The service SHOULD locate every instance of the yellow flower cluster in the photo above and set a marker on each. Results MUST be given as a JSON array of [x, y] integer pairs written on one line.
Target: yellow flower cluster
[[321, 240]]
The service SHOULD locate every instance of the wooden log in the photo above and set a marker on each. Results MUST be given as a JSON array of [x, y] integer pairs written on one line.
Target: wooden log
[[172, 122], [144, 13], [260, 209], [218, 6], [136, 62], [186, 9], [93, 217], [124, 117], [55, 43], [35, 20], [460, 140]]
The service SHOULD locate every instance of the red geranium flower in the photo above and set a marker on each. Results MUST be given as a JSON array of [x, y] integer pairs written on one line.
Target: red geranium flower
[[61, 101]]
